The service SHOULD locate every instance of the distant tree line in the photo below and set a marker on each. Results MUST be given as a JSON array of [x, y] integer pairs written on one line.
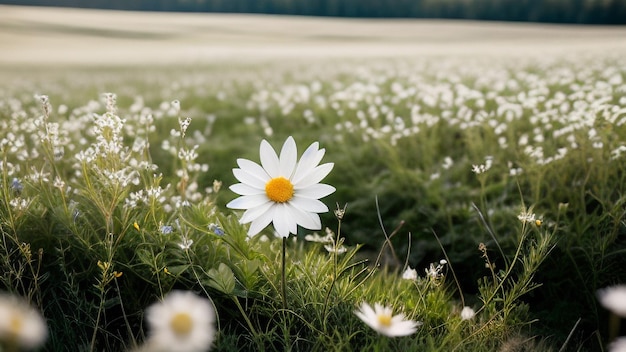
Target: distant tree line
[[555, 11]]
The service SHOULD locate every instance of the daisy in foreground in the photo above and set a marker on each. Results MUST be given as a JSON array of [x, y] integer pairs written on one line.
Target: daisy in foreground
[[182, 322], [282, 190], [613, 298], [381, 319], [20, 325]]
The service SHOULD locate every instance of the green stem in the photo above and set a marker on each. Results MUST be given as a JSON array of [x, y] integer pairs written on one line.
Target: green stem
[[245, 317], [334, 278], [284, 285], [95, 330]]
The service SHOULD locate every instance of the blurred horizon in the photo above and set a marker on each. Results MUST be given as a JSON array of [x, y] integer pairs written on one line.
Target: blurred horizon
[[607, 12]]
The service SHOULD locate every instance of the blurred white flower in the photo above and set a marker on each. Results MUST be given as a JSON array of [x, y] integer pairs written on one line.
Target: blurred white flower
[[186, 243], [409, 274], [619, 345], [315, 237], [382, 321], [467, 313], [282, 190], [331, 248], [182, 322], [613, 298], [20, 324], [526, 216]]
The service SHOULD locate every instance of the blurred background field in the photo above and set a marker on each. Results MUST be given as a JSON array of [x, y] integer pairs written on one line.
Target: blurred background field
[[34, 35], [457, 129]]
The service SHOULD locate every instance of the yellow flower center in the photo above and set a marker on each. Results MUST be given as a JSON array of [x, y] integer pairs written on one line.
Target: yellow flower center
[[279, 189], [181, 324], [15, 324], [384, 320]]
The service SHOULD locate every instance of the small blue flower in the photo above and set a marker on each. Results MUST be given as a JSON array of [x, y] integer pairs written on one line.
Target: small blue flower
[[16, 186], [216, 229], [166, 229]]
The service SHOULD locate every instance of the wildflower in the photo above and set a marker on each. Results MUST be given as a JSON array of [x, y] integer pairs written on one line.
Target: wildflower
[[282, 190], [166, 229], [136, 225], [340, 212], [467, 313], [409, 274], [16, 186], [331, 248], [217, 185], [526, 216], [21, 325], [381, 319], [182, 322], [435, 271], [185, 244], [614, 299], [482, 168], [315, 237], [59, 183], [216, 229]]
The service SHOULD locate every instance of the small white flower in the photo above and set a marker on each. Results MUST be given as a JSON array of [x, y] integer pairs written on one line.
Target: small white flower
[[382, 320], [315, 237], [182, 322], [613, 298], [282, 190], [331, 248], [409, 274], [526, 216], [467, 313], [185, 244], [20, 323]]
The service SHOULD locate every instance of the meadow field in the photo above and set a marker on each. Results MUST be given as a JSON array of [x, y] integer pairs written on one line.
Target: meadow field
[[476, 199]]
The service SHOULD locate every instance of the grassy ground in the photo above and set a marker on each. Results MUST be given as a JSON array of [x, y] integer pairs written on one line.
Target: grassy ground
[[444, 135]]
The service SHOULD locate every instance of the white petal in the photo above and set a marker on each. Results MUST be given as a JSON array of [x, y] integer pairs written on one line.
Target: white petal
[[292, 217], [253, 213], [269, 159], [402, 328], [260, 223], [316, 191], [315, 176], [309, 160], [288, 158], [253, 169], [249, 179], [247, 202], [307, 220], [246, 190], [308, 204], [282, 221]]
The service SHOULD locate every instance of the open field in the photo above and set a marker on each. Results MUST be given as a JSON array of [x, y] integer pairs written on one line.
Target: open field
[[72, 36], [482, 165]]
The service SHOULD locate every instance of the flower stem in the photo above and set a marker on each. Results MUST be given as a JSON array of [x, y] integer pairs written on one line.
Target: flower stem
[[284, 284]]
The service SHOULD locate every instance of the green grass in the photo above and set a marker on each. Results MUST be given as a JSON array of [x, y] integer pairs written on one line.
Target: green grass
[[404, 137]]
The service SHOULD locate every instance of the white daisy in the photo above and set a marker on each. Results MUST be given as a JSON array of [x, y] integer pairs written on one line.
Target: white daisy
[[182, 322], [381, 319], [614, 299], [282, 190], [20, 324]]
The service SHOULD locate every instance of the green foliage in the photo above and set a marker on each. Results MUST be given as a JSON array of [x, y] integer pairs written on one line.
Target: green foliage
[[106, 206]]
